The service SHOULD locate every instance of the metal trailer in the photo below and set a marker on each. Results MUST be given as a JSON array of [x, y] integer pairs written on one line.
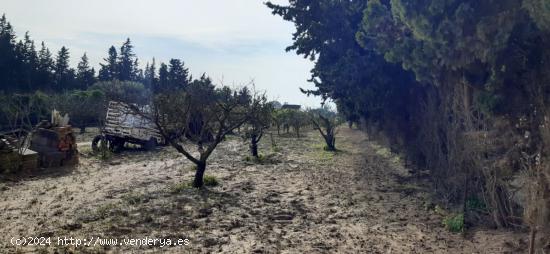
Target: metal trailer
[[123, 125]]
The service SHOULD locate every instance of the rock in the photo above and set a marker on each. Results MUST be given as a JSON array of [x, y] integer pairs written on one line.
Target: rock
[[72, 226], [46, 234], [283, 217], [204, 212], [209, 242]]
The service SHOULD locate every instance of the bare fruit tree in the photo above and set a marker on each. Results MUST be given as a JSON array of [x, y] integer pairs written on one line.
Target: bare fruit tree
[[19, 114], [195, 119], [326, 122], [260, 118]]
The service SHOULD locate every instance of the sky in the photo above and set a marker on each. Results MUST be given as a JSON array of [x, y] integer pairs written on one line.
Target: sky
[[234, 42]]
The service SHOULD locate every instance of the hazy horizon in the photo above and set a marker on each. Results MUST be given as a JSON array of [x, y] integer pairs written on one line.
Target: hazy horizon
[[232, 42]]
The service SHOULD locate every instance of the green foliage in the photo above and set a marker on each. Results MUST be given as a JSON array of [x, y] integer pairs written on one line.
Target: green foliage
[[85, 108], [454, 223], [24, 69], [444, 68], [180, 187], [85, 74], [211, 181], [471, 42], [279, 117], [104, 154], [127, 91], [297, 120], [64, 77]]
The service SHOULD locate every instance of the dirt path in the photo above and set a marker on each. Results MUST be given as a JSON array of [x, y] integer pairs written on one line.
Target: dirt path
[[299, 200]]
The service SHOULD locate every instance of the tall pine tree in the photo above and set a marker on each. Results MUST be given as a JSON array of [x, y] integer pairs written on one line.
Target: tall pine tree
[[85, 75], [7, 52], [163, 82], [109, 70], [126, 62], [150, 76], [64, 76], [178, 75], [44, 75], [28, 64]]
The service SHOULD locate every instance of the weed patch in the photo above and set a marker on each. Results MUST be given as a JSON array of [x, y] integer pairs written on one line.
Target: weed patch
[[454, 223], [178, 188], [134, 198], [210, 181]]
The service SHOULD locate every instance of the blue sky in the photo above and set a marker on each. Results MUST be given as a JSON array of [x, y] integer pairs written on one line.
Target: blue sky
[[232, 41]]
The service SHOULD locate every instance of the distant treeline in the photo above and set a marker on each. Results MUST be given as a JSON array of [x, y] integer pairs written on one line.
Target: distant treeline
[[26, 68]]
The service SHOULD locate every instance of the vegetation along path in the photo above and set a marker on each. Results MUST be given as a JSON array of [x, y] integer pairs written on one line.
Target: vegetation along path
[[298, 199]]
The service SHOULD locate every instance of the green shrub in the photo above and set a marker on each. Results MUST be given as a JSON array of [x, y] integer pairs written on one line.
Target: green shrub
[[454, 223], [210, 181], [104, 153]]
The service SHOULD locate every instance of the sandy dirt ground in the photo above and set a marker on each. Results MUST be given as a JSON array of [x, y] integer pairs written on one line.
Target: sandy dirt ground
[[299, 199]]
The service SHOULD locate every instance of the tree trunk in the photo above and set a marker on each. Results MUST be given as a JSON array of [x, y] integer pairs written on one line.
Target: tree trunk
[[273, 144], [254, 148], [330, 143], [254, 145], [199, 175]]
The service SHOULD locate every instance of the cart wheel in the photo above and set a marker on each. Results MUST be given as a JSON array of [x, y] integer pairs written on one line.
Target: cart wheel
[[98, 142], [150, 144], [116, 145]]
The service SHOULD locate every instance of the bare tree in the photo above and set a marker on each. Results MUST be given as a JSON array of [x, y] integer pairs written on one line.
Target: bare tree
[[260, 117], [326, 122], [199, 114], [18, 113]]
